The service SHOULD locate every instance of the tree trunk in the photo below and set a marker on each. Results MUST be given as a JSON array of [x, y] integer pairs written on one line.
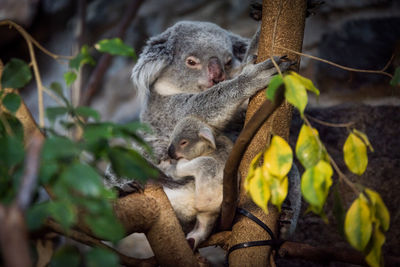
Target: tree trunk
[[289, 30]]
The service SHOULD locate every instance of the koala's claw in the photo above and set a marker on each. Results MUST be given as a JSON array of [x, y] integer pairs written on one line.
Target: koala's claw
[[129, 188]]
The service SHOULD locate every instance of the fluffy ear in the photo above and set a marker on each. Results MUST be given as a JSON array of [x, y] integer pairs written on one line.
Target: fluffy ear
[[207, 134], [239, 46], [156, 55]]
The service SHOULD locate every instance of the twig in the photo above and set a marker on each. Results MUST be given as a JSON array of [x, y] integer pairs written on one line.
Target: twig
[[337, 65], [230, 191], [91, 241], [36, 43], [329, 124], [53, 96], [106, 59], [31, 168]]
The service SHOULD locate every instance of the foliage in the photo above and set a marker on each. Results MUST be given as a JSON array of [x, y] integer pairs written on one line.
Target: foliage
[[68, 166], [367, 219]]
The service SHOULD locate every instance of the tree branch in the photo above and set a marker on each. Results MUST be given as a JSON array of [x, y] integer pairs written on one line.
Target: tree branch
[[29, 178], [230, 189]]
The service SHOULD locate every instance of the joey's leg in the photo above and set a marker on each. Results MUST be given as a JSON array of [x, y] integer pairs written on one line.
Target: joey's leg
[[204, 225]]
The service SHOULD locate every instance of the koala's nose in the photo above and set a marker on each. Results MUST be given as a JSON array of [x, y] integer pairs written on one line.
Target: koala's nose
[[171, 152], [216, 72]]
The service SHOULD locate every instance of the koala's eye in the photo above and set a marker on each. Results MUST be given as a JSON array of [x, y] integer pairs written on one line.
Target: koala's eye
[[229, 62], [192, 62], [183, 143]]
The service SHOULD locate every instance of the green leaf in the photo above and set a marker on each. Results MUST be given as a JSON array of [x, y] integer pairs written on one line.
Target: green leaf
[[87, 113], [11, 151], [82, 58], [15, 125], [105, 226], [380, 210], [69, 77], [67, 256], [115, 46], [259, 190], [273, 86], [16, 74], [295, 93], [308, 149], [83, 179], [58, 90], [63, 212], [278, 157], [130, 164], [47, 171], [279, 190], [98, 257], [307, 83], [374, 257], [355, 154], [37, 214], [395, 81], [12, 102], [315, 184], [53, 112], [358, 224], [59, 148], [95, 131]]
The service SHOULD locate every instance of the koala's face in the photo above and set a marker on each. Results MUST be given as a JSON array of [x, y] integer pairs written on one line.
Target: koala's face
[[204, 55], [191, 139]]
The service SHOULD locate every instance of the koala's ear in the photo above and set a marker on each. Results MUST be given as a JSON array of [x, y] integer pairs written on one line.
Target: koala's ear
[[207, 134], [156, 55], [239, 46]]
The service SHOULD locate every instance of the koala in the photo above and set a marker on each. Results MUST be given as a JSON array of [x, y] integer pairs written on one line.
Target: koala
[[201, 153], [195, 69]]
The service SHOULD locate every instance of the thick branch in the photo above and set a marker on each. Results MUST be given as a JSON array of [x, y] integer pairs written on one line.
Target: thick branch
[[282, 24], [106, 59], [230, 188]]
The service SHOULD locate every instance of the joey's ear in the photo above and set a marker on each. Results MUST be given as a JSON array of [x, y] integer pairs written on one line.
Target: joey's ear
[[156, 55], [239, 46], [207, 134]]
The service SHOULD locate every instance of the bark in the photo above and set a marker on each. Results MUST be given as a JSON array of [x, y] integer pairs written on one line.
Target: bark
[[288, 33]]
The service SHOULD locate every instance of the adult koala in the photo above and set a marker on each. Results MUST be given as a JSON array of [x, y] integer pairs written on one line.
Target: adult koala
[[195, 69]]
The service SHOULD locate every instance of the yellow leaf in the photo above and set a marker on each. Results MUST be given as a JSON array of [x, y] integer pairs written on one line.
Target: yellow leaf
[[258, 190], [315, 184], [279, 157], [374, 256], [358, 224], [295, 93], [364, 138], [307, 83], [253, 166], [308, 149], [355, 154], [279, 190], [380, 211]]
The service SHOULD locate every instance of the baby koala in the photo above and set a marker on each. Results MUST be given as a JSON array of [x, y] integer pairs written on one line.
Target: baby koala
[[201, 152]]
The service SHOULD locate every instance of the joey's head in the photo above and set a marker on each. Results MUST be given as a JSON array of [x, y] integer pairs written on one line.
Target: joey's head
[[189, 57], [190, 139]]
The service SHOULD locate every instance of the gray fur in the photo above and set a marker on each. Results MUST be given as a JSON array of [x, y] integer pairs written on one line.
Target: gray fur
[[203, 157], [171, 90]]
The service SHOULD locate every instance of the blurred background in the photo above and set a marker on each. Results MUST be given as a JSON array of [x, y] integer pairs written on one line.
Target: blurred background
[[362, 34]]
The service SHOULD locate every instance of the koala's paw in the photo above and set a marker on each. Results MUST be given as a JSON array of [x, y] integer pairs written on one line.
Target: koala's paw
[[129, 188]]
